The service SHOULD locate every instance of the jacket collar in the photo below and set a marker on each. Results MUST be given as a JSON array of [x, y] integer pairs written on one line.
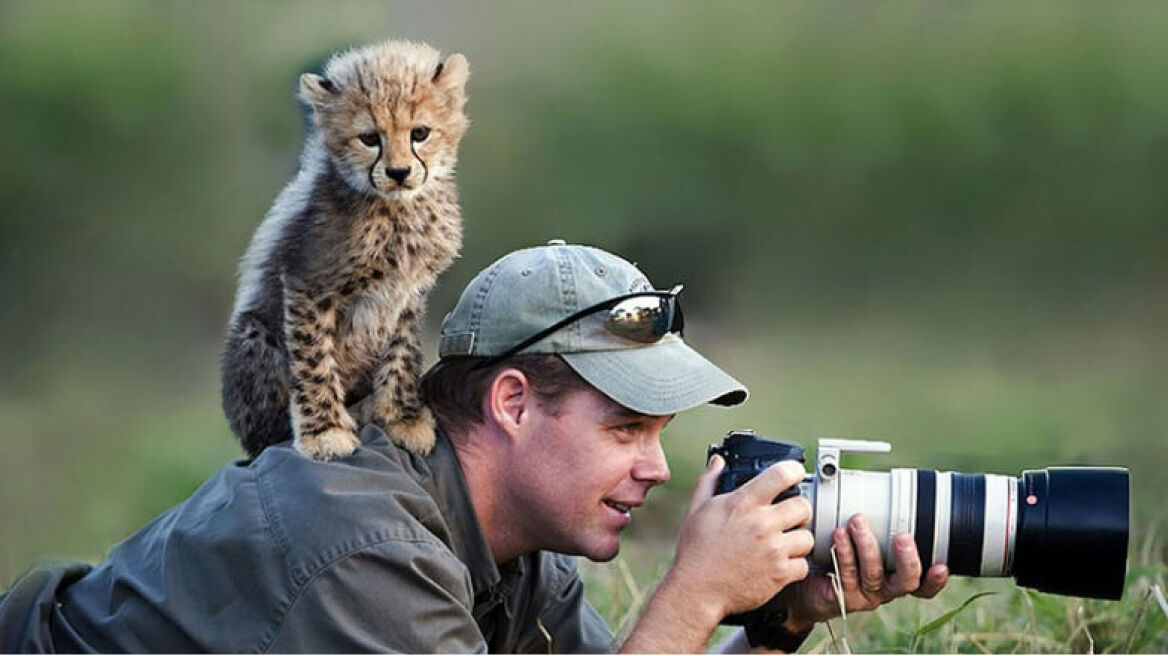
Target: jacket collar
[[447, 484]]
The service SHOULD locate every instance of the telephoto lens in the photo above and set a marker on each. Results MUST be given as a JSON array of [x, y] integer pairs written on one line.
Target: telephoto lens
[[1062, 530]]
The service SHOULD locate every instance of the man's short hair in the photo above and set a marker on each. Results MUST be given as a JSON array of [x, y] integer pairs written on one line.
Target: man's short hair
[[454, 388]]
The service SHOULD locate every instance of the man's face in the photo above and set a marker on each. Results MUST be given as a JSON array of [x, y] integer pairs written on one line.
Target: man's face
[[584, 470]]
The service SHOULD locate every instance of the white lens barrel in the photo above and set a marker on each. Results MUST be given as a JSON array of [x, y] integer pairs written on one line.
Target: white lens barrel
[[848, 492], [1000, 531], [902, 517], [941, 505], [968, 521]]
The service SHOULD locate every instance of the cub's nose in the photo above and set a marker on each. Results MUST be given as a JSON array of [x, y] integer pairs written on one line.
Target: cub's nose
[[397, 175]]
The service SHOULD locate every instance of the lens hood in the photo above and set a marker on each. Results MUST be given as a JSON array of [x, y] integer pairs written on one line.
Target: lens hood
[[1073, 531]]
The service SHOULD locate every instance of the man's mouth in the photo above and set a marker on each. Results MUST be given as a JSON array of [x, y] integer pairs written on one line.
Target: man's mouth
[[623, 508]]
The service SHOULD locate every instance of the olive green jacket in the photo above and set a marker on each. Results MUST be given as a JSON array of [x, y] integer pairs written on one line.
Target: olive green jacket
[[377, 552]]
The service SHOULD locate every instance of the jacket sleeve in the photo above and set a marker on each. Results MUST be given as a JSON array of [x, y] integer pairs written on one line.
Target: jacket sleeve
[[27, 610], [409, 596]]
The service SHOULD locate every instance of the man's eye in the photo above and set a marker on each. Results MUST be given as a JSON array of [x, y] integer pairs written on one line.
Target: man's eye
[[628, 430], [369, 139], [419, 134]]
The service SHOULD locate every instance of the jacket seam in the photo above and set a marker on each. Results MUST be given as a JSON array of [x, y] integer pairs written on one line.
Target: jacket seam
[[563, 578], [270, 515], [559, 581], [266, 643]]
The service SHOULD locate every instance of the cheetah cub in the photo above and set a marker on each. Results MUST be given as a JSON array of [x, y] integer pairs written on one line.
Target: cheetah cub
[[333, 285]]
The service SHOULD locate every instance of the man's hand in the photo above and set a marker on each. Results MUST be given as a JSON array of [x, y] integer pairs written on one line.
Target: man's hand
[[863, 580], [736, 551]]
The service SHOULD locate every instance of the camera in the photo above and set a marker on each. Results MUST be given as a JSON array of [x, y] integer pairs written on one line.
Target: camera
[[1062, 530]]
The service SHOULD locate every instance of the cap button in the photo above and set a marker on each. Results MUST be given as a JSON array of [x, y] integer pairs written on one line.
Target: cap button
[[557, 242]]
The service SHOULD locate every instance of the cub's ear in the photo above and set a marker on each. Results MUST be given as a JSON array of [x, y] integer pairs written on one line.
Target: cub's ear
[[452, 74], [317, 90]]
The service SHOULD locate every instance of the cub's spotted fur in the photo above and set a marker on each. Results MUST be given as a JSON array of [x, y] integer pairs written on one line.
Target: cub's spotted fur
[[333, 285]]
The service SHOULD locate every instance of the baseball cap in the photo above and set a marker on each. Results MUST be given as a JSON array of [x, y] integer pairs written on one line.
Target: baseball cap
[[527, 291]]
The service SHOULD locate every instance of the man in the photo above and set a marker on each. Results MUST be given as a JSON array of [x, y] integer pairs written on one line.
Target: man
[[559, 368]]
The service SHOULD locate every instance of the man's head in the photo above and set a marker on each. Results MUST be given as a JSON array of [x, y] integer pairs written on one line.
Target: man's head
[[600, 314], [567, 363]]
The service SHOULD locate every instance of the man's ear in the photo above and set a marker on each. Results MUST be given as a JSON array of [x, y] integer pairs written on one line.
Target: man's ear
[[508, 401], [317, 90]]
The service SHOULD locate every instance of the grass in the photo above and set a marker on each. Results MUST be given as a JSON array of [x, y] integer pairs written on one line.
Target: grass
[[969, 616]]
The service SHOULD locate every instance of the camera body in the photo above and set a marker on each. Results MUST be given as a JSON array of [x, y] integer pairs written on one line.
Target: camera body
[[747, 455], [1040, 527]]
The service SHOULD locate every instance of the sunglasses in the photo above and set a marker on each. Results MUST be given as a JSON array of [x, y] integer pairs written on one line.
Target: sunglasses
[[643, 317]]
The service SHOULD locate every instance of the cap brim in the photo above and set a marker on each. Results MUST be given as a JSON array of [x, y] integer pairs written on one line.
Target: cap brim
[[662, 379]]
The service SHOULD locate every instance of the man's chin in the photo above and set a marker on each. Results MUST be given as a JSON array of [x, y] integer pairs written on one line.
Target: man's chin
[[603, 554]]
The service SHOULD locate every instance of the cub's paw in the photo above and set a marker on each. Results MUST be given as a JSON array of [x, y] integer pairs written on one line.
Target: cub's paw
[[332, 443], [416, 435]]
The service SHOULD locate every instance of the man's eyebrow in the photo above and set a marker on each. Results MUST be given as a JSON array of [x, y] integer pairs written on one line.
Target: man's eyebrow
[[619, 412]]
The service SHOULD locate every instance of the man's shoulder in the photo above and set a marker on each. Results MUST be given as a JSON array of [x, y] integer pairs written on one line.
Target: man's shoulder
[[317, 511], [223, 570]]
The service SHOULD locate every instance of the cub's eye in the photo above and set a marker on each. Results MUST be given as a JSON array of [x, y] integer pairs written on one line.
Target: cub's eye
[[369, 139], [419, 134]]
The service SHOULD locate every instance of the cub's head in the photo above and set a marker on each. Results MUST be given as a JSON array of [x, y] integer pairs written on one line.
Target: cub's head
[[390, 115]]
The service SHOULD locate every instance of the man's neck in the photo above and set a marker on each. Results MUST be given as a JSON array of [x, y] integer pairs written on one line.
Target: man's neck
[[486, 485]]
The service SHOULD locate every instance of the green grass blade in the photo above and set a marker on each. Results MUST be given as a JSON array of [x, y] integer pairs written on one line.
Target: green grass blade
[[948, 616]]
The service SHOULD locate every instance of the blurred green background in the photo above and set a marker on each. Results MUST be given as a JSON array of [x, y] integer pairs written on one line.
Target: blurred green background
[[937, 224]]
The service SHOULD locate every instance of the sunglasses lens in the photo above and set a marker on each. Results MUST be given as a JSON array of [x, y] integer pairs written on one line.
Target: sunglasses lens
[[644, 319]]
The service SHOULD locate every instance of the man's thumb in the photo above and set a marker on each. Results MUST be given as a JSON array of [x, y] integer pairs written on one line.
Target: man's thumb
[[707, 483]]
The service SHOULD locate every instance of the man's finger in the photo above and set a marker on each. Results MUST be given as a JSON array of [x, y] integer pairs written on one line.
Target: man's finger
[[867, 554], [799, 568], [792, 513], [935, 579], [772, 481], [845, 557], [800, 543], [907, 576], [707, 483]]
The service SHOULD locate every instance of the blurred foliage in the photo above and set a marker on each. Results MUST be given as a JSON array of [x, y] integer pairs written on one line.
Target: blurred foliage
[[939, 224]]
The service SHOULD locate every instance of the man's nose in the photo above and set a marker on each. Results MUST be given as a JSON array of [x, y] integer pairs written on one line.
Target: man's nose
[[652, 466], [398, 175]]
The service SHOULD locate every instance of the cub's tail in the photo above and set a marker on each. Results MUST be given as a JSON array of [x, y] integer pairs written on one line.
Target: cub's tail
[[256, 384]]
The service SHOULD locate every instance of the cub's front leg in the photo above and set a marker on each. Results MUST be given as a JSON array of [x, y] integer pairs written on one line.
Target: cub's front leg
[[322, 427], [397, 401]]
